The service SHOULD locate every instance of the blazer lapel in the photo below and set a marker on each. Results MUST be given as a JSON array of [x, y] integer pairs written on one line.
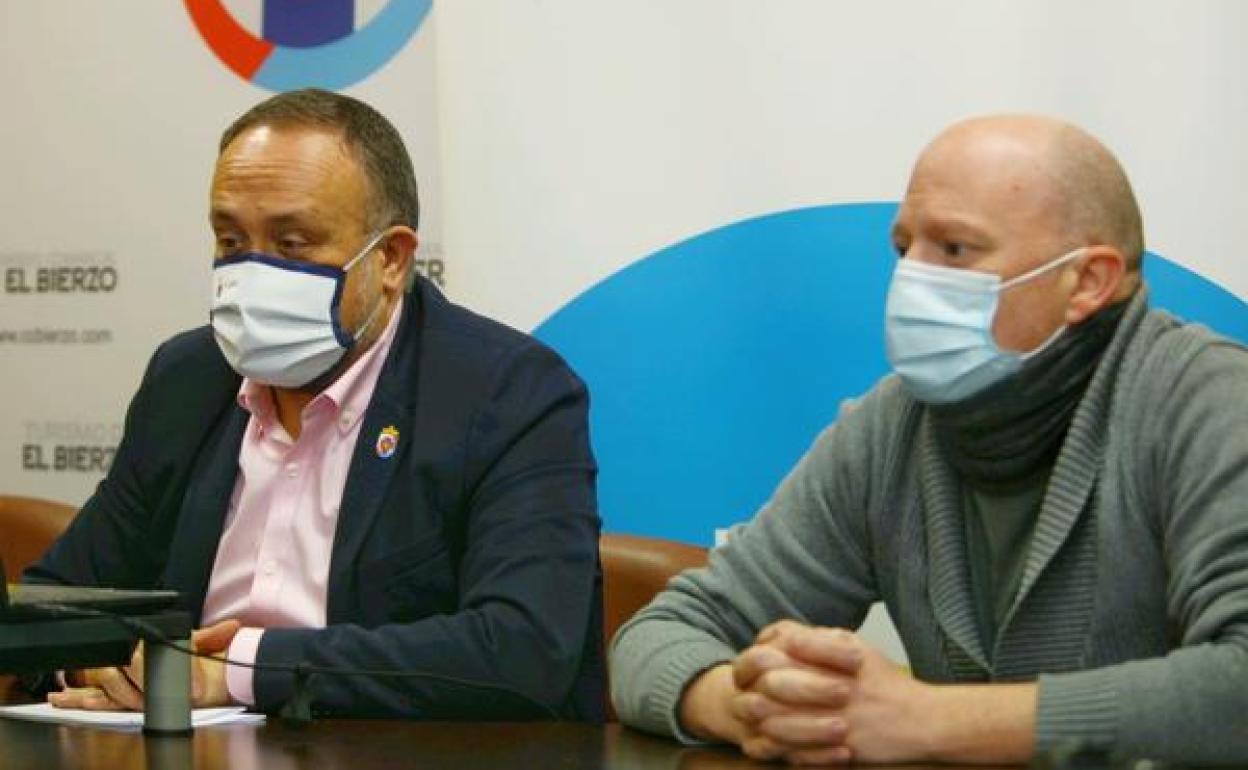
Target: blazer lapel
[[371, 471], [202, 516]]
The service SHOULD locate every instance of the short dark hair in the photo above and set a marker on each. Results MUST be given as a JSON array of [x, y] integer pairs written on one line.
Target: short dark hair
[[376, 144]]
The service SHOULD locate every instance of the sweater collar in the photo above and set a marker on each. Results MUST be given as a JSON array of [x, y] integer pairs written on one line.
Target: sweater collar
[[1068, 494], [1014, 429]]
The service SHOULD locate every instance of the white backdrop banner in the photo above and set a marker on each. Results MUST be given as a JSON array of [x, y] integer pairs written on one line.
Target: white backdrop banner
[[688, 198], [113, 114]]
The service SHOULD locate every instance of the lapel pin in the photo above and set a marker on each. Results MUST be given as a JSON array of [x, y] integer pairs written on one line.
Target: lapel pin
[[387, 442]]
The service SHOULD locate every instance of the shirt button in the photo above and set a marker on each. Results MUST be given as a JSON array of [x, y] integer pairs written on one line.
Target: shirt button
[[292, 470], [270, 568]]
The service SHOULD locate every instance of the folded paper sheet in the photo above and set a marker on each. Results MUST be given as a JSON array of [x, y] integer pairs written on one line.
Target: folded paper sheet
[[123, 720]]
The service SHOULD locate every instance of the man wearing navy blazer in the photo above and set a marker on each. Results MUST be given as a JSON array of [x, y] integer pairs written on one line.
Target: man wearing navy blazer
[[344, 469]]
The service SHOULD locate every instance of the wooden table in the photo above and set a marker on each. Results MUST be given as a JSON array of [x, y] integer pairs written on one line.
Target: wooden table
[[356, 745], [362, 745]]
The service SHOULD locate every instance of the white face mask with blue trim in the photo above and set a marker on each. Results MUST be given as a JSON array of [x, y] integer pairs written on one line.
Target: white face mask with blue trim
[[279, 322], [938, 329]]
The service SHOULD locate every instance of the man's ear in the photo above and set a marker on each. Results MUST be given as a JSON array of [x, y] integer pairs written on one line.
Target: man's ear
[[400, 246], [1101, 274]]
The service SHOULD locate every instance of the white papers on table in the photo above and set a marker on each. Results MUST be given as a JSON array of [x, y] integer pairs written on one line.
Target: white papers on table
[[123, 720]]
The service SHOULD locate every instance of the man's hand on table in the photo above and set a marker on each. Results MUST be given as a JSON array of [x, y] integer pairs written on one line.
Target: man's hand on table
[[121, 688], [812, 695]]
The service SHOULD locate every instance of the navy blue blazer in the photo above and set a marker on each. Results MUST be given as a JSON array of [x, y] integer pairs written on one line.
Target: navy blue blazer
[[471, 553]]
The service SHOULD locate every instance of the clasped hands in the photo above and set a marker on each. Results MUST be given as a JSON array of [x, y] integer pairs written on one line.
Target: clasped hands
[[121, 688], [810, 695]]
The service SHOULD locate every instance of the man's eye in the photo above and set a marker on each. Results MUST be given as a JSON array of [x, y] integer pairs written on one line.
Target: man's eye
[[901, 249], [292, 244], [954, 249], [228, 244]]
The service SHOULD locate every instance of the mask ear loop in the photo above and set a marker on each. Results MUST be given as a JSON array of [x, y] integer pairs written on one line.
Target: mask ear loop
[[371, 317], [1027, 276], [1060, 330], [377, 305], [367, 248], [1037, 350]]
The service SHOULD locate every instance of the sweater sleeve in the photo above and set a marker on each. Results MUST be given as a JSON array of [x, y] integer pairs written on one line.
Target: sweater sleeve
[[1190, 446], [804, 557]]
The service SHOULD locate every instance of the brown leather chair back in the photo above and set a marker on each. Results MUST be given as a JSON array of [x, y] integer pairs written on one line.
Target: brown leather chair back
[[28, 525], [634, 569]]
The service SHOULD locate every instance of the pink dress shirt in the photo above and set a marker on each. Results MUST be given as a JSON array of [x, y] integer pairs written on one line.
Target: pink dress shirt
[[272, 564]]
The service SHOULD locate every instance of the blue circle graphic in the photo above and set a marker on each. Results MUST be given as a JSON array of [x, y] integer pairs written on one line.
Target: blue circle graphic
[[308, 44], [713, 363]]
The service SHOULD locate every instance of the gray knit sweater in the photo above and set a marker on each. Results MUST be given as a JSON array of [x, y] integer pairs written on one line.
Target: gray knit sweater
[[1133, 608]]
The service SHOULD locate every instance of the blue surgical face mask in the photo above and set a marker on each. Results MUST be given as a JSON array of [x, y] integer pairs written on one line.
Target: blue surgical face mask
[[938, 328], [279, 322]]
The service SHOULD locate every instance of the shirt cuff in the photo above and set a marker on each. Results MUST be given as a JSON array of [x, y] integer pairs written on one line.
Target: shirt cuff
[[238, 679]]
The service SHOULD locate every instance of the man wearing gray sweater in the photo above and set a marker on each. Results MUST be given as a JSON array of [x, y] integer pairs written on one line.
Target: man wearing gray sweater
[[1050, 495]]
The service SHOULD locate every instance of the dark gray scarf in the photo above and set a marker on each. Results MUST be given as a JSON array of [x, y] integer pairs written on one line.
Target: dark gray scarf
[[1010, 431]]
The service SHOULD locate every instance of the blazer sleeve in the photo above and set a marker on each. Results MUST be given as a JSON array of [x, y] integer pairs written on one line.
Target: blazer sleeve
[[528, 579], [107, 542]]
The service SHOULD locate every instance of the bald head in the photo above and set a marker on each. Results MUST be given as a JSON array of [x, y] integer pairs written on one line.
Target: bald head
[[1012, 194], [1058, 168]]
